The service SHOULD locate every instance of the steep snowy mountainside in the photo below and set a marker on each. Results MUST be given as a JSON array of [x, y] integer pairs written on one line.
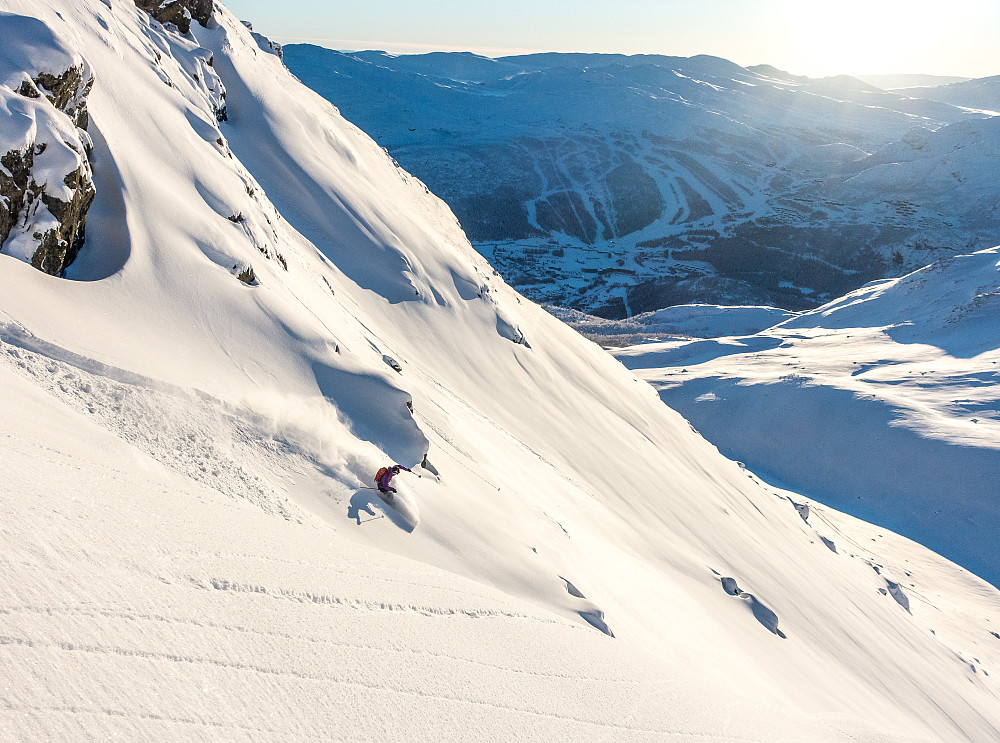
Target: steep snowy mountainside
[[265, 310], [143, 604], [619, 184], [883, 403]]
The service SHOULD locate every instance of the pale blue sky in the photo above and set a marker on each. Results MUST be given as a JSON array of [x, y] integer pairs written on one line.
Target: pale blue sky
[[957, 37]]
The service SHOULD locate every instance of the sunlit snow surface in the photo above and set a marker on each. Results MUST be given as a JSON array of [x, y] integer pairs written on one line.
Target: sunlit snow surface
[[190, 549], [885, 403]]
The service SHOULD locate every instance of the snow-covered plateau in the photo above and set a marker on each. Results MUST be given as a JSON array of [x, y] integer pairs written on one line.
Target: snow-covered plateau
[[619, 185], [264, 310]]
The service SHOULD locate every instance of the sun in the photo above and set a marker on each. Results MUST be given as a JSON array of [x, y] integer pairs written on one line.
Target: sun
[[868, 36]]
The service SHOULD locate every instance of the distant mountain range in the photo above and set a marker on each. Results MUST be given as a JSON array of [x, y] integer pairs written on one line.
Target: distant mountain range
[[897, 82], [620, 184]]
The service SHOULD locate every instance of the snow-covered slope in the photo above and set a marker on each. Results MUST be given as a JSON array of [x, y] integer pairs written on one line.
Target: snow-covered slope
[[884, 403], [982, 93], [620, 184], [223, 572]]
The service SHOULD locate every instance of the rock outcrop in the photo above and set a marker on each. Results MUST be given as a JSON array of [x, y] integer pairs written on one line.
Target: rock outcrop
[[271, 47], [46, 183], [178, 12]]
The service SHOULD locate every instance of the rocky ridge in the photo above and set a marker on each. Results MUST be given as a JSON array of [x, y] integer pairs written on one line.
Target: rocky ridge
[[178, 12], [46, 176], [46, 181]]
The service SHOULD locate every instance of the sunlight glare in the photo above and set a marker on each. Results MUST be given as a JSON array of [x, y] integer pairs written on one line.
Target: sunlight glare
[[869, 36]]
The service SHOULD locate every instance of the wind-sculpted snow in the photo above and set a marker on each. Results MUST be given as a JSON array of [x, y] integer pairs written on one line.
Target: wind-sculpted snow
[[31, 48], [623, 184], [191, 546]]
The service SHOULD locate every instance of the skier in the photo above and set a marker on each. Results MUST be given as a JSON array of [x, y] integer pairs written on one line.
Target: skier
[[384, 475]]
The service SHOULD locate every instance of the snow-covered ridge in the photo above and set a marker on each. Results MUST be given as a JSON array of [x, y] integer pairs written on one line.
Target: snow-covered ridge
[[982, 93], [191, 545], [619, 184]]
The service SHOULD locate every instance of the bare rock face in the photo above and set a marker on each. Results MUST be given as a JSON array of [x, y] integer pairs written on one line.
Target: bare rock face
[[46, 184], [60, 245], [178, 12], [68, 92]]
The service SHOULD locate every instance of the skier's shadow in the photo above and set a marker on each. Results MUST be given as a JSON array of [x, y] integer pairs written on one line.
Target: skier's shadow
[[362, 510], [362, 502]]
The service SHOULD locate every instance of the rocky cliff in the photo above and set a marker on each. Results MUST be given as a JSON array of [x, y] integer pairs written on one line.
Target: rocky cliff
[[46, 183], [178, 12]]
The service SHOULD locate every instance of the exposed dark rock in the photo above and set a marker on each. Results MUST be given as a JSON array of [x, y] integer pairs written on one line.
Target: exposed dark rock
[[60, 246], [247, 275], [68, 92], [51, 228], [15, 176], [178, 12], [28, 90], [57, 246]]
